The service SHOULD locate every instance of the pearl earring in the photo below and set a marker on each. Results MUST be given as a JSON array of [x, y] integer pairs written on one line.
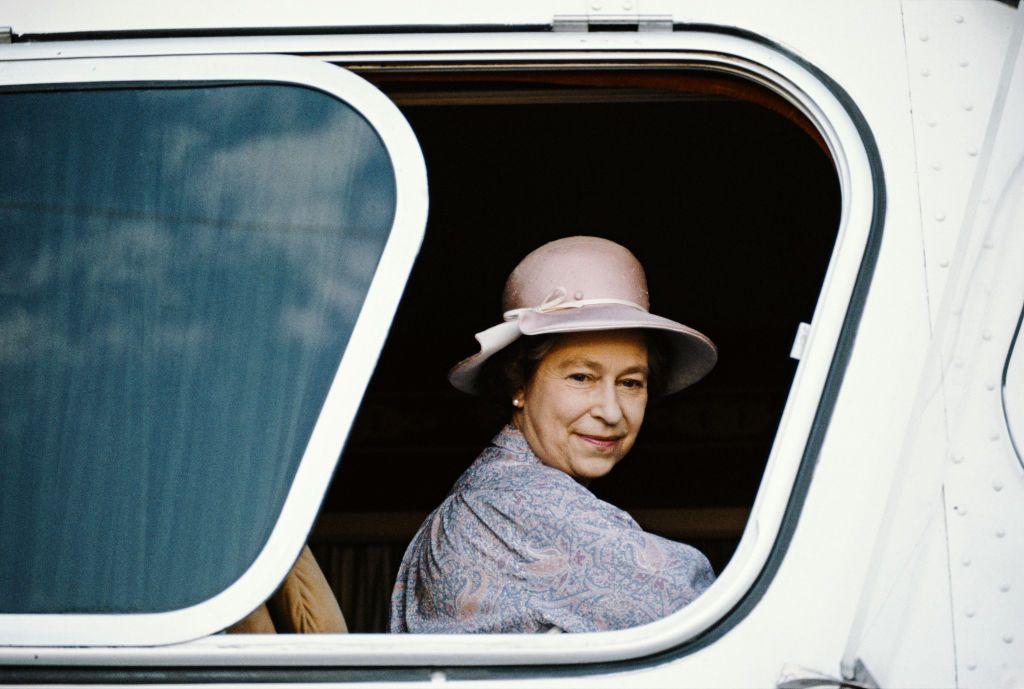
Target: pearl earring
[[517, 403]]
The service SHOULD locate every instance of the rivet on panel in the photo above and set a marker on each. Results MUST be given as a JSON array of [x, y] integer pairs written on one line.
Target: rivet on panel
[[964, 63], [944, 263], [968, 106], [940, 216], [1007, 638], [627, 5], [957, 459], [933, 123], [595, 5], [986, 335], [959, 19], [923, 35], [972, 666], [988, 244], [989, 385], [969, 612], [936, 166], [960, 510], [926, 72], [1000, 533], [997, 485], [993, 436], [1004, 587], [966, 562], [972, 152]]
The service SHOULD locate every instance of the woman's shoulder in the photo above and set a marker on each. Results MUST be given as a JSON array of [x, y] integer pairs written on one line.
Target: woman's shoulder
[[538, 498], [509, 483], [497, 469]]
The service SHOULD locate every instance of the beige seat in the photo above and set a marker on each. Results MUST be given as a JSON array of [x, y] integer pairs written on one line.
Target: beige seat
[[304, 604]]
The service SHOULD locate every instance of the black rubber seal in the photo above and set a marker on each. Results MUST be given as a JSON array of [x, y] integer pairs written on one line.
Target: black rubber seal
[[400, 29], [1015, 442]]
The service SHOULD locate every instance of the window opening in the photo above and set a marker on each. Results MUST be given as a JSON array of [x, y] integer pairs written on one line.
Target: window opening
[[723, 191]]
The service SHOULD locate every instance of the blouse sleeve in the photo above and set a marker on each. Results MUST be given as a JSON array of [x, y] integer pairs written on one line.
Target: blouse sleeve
[[587, 566]]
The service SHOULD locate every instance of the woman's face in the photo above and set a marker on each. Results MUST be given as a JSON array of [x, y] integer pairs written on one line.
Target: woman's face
[[583, 406]]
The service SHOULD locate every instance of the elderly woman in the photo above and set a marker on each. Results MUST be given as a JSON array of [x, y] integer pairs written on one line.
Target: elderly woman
[[520, 544]]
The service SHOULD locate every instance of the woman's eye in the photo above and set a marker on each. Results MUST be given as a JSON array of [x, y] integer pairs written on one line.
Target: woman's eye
[[579, 377], [633, 383]]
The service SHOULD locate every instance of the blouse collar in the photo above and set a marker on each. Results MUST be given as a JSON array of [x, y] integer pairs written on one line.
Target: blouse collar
[[511, 439]]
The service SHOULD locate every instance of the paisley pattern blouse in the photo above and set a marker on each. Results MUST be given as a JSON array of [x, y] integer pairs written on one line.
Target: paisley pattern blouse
[[518, 546]]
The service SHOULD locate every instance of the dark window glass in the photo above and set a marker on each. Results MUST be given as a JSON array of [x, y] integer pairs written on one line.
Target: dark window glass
[[181, 272]]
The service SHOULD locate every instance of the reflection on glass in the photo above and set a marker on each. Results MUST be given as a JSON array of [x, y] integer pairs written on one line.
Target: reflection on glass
[[181, 271]]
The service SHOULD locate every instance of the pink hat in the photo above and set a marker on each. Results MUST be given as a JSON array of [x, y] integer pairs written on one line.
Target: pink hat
[[584, 283]]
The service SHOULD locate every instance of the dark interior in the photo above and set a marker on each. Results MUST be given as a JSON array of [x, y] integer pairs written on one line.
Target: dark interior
[[723, 192]]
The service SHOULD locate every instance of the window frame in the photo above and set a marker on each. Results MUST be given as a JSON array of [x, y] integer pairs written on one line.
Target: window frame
[[808, 409], [335, 418]]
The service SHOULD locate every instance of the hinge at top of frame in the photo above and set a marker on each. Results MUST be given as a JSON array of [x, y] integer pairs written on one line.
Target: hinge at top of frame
[[583, 23], [6, 34]]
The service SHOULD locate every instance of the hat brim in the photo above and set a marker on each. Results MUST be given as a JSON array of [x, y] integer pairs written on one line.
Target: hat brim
[[691, 357]]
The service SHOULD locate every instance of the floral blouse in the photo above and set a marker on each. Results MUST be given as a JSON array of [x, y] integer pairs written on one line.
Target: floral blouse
[[518, 546]]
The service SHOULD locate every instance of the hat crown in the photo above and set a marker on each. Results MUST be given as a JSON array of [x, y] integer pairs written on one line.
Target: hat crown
[[584, 267]]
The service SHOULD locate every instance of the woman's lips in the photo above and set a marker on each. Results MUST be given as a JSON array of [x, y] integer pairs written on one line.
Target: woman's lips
[[598, 441]]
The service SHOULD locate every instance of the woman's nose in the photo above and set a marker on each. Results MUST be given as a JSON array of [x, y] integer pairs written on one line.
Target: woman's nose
[[607, 407]]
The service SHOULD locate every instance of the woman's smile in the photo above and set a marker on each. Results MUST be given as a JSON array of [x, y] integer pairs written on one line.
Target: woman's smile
[[599, 442]]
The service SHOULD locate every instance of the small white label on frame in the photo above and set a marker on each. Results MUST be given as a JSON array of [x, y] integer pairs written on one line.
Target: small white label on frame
[[802, 331]]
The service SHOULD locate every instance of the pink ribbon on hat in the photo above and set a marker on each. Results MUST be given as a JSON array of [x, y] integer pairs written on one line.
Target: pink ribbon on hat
[[505, 333]]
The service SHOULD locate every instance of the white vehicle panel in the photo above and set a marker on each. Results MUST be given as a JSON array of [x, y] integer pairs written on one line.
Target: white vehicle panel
[[954, 55], [946, 575], [771, 67], [806, 614]]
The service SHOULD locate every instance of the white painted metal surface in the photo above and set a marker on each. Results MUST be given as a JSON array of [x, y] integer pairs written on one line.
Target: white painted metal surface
[[821, 105], [343, 397], [806, 614], [61, 16], [948, 570], [985, 490], [954, 55]]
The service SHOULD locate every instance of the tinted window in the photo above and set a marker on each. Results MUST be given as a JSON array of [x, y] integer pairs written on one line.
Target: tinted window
[[181, 272]]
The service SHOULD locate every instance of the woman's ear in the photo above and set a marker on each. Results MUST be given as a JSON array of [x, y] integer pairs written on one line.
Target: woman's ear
[[519, 398], [518, 403]]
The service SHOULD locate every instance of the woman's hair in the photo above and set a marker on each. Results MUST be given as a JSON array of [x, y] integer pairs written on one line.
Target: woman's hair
[[512, 368]]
